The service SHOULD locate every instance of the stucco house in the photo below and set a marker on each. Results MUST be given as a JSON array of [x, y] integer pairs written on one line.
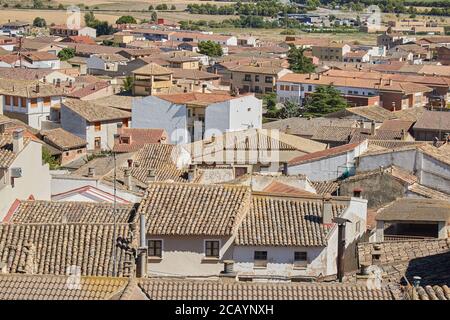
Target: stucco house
[[227, 225], [193, 116], [328, 164], [29, 101], [93, 123], [22, 174]]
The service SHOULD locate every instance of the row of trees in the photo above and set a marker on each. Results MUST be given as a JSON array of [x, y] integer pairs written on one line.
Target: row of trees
[[162, 7], [102, 27], [265, 8]]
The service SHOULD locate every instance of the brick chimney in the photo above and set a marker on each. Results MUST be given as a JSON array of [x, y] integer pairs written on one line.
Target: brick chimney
[[372, 128], [91, 172]]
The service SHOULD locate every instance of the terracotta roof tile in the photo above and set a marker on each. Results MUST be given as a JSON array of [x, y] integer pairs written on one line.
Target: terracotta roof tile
[[92, 112], [170, 289], [62, 139], [138, 138], [323, 154], [194, 209], [285, 221], [38, 211], [52, 248]]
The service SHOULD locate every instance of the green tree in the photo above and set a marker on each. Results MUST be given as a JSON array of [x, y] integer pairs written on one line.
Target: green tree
[[126, 20], [37, 4], [90, 19], [48, 158], [154, 16], [61, 6], [325, 99], [290, 109], [39, 22], [173, 7], [298, 62], [210, 48], [127, 84], [150, 8], [66, 54], [270, 100]]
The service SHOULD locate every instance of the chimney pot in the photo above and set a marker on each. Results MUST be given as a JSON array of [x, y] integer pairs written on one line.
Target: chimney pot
[[127, 178], [151, 176], [91, 172], [327, 210], [372, 128], [17, 140], [192, 172], [288, 129]]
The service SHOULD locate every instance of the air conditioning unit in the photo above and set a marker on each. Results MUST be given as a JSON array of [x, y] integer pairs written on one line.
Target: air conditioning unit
[[16, 172]]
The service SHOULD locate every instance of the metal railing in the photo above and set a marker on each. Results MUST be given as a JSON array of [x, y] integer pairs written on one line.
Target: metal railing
[[405, 237]]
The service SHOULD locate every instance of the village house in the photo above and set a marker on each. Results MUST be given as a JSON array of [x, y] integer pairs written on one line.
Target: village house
[[260, 79], [413, 219], [152, 79], [65, 31], [64, 146], [328, 164], [247, 151], [15, 28], [106, 62], [30, 101], [40, 60], [389, 94], [390, 40], [93, 123], [432, 125], [193, 116], [209, 246], [132, 139], [332, 51], [443, 55], [22, 174], [430, 164], [92, 91]]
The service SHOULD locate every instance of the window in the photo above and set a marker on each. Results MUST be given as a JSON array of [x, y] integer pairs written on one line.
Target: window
[[309, 88], [154, 248], [47, 101], [269, 79], [16, 101], [257, 89], [266, 90], [125, 140], [257, 78], [98, 143], [34, 103], [300, 259], [67, 153], [8, 100], [98, 126], [260, 258], [247, 77], [212, 248], [23, 102]]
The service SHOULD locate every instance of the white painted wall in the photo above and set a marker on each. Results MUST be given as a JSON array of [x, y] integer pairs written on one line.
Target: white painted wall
[[35, 178], [331, 167], [153, 112]]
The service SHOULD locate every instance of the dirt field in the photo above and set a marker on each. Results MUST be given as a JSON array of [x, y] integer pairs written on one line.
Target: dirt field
[[51, 16]]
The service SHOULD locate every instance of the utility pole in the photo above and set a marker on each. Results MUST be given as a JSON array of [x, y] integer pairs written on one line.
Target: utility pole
[[114, 219]]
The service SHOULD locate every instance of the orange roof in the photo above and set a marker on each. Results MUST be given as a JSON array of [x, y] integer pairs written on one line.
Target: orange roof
[[39, 56], [197, 98], [82, 39], [356, 82], [139, 138], [278, 187]]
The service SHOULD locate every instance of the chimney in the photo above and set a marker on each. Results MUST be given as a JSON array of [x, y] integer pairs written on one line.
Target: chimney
[[2, 128], [141, 268], [372, 128], [91, 172], [285, 169], [327, 210], [204, 87], [390, 82], [44, 80], [319, 76], [435, 141], [127, 178], [403, 135], [37, 87], [58, 83], [192, 172], [288, 130], [151, 176], [17, 140], [130, 163]]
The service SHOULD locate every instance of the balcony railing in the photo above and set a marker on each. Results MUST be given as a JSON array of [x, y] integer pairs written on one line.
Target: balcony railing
[[404, 237]]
